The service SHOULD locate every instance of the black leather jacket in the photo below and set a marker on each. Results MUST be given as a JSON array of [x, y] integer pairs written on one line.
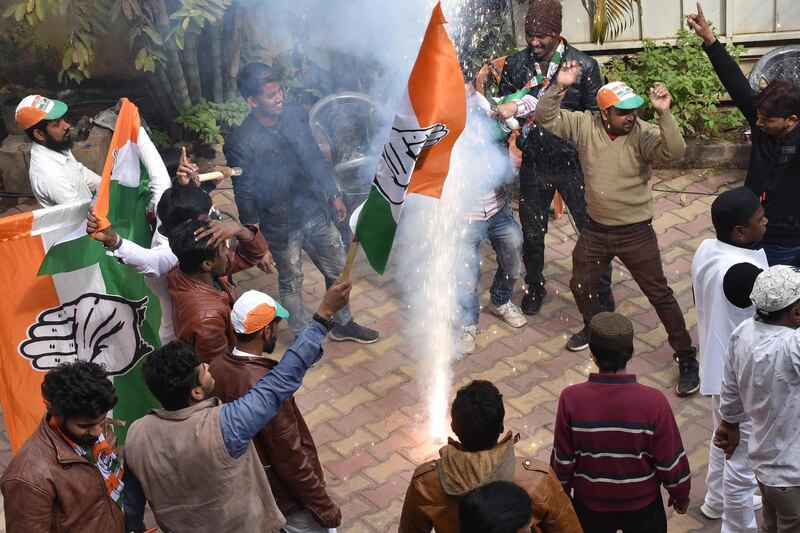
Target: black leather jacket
[[286, 181], [582, 96]]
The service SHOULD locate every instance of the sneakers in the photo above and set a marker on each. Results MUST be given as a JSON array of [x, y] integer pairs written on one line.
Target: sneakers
[[689, 379], [467, 339], [533, 300], [713, 514], [510, 313], [708, 512], [354, 332], [579, 341]]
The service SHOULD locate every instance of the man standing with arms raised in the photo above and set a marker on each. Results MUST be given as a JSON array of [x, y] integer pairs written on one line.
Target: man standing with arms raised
[[617, 150], [549, 164]]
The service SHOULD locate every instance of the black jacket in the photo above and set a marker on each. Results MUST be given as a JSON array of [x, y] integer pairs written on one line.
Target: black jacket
[[545, 156], [285, 181], [519, 69], [774, 170]]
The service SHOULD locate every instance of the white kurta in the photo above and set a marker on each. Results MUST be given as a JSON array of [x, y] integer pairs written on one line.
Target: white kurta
[[716, 316], [58, 178]]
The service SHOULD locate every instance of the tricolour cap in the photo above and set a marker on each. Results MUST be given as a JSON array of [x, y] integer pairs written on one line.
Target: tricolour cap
[[255, 310], [34, 108], [619, 95], [776, 288]]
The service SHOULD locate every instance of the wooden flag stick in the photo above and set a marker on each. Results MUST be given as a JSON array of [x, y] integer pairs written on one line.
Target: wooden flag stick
[[351, 256]]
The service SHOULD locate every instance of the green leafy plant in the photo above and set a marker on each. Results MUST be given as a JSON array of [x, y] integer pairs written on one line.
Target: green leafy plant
[[609, 18], [207, 119], [686, 71], [160, 139]]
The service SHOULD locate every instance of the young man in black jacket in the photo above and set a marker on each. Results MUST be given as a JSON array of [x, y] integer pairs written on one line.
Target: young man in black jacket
[[288, 186], [774, 166], [548, 163]]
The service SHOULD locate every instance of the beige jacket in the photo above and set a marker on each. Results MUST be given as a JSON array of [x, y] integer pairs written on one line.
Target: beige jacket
[[191, 481], [616, 172]]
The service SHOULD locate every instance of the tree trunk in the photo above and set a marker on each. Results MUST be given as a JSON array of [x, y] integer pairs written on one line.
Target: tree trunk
[[165, 96], [174, 70], [215, 35], [232, 51], [191, 68]]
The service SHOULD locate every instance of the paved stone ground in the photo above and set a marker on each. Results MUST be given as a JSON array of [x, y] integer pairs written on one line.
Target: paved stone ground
[[365, 407]]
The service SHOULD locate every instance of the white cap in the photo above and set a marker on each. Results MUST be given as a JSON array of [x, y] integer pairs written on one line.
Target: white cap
[[255, 310], [776, 288]]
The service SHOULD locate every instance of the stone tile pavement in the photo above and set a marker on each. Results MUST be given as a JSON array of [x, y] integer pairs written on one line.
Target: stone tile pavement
[[365, 407]]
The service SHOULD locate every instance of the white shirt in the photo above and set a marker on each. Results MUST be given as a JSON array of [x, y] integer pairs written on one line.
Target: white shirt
[[239, 353], [58, 178], [762, 382], [716, 316]]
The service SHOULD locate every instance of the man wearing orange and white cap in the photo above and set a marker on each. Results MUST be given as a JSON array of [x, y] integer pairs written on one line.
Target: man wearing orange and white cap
[[616, 150], [56, 176], [285, 446]]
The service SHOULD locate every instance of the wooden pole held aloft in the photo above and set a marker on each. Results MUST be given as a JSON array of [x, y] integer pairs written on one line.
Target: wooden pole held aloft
[[351, 256]]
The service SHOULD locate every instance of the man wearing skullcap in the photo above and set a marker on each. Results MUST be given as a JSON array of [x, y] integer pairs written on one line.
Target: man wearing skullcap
[[761, 383], [611, 412], [549, 164], [740, 224]]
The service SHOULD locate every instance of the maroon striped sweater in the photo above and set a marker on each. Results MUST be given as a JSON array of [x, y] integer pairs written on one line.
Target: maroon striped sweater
[[616, 442]]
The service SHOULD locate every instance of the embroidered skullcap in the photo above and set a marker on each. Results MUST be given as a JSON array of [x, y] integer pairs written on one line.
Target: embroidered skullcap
[[776, 288]]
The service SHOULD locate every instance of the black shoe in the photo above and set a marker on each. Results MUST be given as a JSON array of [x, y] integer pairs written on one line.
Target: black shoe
[[689, 379], [607, 302], [353, 332], [532, 301], [579, 341]]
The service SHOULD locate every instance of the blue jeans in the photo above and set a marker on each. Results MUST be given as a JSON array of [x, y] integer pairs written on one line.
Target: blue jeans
[[780, 255], [323, 244], [505, 235]]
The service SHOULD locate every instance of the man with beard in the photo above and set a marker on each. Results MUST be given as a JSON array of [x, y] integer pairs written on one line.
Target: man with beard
[[67, 476], [56, 176], [548, 162], [284, 445]]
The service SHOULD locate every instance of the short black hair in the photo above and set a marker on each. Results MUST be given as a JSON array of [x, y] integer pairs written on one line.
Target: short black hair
[[779, 99], [171, 156], [41, 125], [773, 317], [611, 360], [171, 372], [477, 413], [253, 77], [81, 388], [180, 203], [497, 507], [190, 252]]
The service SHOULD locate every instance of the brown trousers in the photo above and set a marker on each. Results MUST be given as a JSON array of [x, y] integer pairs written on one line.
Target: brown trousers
[[637, 248]]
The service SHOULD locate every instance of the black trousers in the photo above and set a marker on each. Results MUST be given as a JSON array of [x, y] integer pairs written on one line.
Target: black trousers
[[650, 519], [549, 164]]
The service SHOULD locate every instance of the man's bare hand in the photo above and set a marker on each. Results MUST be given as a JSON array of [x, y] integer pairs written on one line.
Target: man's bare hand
[[660, 98], [335, 298], [504, 111], [340, 208], [107, 236], [726, 438], [219, 231], [267, 263], [569, 74], [699, 24], [187, 171], [680, 509]]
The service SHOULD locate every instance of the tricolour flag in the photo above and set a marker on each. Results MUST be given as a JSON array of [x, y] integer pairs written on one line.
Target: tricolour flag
[[416, 159], [83, 304]]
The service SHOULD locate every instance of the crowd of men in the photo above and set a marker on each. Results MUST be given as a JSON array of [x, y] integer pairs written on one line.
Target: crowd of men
[[229, 449]]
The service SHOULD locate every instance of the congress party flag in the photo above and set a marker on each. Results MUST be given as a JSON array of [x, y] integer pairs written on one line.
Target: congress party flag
[[416, 159], [66, 299]]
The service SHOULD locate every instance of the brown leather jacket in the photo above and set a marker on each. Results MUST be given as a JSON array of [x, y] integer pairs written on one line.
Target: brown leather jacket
[[201, 313], [284, 445], [48, 487], [437, 486]]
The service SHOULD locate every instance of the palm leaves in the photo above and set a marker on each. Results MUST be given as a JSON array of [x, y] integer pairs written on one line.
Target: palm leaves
[[609, 18]]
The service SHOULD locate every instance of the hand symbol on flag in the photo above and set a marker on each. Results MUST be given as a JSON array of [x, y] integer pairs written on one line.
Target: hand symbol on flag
[[101, 328]]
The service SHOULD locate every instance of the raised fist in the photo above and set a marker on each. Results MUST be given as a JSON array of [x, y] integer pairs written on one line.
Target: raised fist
[[101, 328]]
